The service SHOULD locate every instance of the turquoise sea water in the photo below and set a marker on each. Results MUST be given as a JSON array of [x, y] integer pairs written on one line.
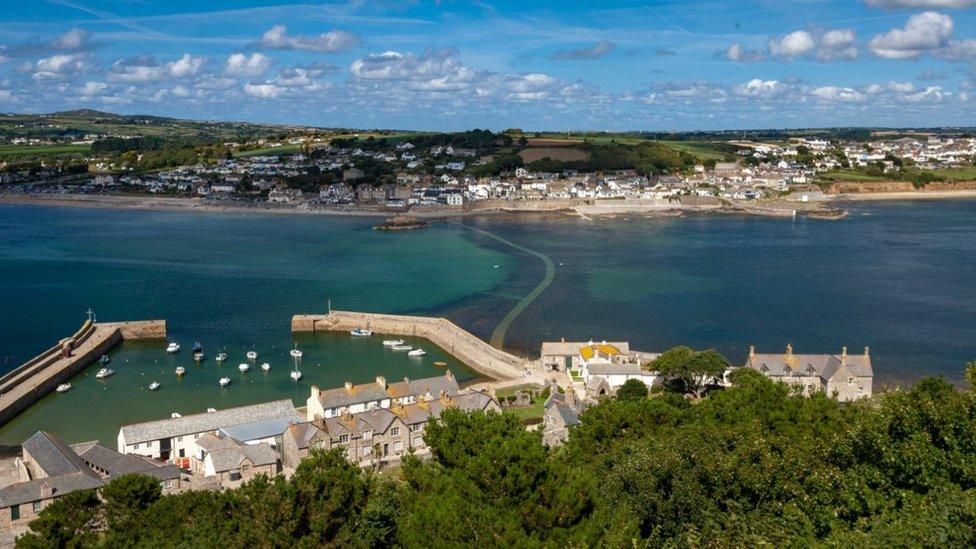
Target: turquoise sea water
[[895, 276]]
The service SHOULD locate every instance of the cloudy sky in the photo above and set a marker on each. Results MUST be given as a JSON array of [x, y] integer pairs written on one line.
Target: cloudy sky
[[459, 64]]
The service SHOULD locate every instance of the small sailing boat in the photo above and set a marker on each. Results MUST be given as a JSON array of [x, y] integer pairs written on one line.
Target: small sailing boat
[[295, 353], [105, 359], [296, 375], [64, 387], [221, 357], [401, 347], [361, 332], [224, 381], [104, 373], [417, 352], [243, 367], [180, 370], [265, 366], [252, 355], [197, 347], [392, 342], [154, 385], [173, 347], [198, 357]]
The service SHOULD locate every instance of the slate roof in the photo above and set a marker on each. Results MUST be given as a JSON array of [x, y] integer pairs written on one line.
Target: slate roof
[[116, 464], [230, 458], [340, 396], [24, 492], [208, 421], [823, 366], [369, 392], [52, 456], [615, 369], [303, 434], [566, 412], [257, 430]]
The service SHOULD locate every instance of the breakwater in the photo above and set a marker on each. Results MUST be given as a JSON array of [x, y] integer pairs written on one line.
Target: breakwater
[[42, 374], [466, 347]]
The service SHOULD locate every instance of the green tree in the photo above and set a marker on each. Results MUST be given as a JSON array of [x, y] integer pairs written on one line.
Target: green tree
[[69, 521], [690, 371], [632, 389]]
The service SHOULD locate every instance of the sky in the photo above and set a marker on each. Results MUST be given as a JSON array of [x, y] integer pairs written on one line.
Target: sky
[[462, 64]]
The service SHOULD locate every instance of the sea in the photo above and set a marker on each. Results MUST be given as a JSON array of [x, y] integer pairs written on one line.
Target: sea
[[897, 277]]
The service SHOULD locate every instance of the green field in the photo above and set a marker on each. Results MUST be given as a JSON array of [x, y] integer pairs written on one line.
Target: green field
[[704, 150], [961, 174], [273, 151], [848, 175], [9, 151]]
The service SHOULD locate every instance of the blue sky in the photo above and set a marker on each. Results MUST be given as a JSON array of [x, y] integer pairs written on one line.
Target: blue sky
[[448, 65]]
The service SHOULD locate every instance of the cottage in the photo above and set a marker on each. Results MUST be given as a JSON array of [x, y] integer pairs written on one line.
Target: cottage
[[353, 399], [561, 414], [229, 460], [845, 377]]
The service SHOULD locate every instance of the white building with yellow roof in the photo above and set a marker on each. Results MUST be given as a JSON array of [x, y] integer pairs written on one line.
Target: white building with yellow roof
[[612, 361]]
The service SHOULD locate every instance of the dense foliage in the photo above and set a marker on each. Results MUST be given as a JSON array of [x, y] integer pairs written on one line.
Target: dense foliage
[[751, 465], [647, 158]]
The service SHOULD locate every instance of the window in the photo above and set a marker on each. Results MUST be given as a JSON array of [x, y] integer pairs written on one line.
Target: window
[[418, 442], [397, 446], [850, 380], [367, 435], [367, 451], [343, 439], [14, 512], [36, 506], [415, 427], [182, 452], [394, 431]]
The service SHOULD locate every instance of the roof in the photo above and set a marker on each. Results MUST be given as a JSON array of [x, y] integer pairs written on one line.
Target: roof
[[374, 392], [228, 457], [573, 348], [616, 369], [24, 492], [567, 413], [116, 464], [207, 421], [606, 349], [52, 456], [824, 366], [257, 430]]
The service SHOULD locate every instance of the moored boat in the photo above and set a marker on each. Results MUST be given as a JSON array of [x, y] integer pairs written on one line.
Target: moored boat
[[221, 357], [154, 385], [180, 370], [417, 352], [265, 366], [105, 359], [243, 367], [198, 357], [295, 353], [440, 364], [251, 355], [104, 373], [296, 375], [361, 332], [392, 342], [401, 347], [224, 381], [173, 347], [197, 347], [64, 387]]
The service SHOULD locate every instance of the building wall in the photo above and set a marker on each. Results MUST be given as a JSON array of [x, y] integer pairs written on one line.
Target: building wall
[[846, 391]]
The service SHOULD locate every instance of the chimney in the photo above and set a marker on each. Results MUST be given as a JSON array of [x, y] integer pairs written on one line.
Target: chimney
[[448, 374], [562, 340], [316, 391], [381, 381], [406, 380], [752, 351], [348, 386], [570, 396], [867, 351], [843, 351], [47, 490], [789, 350]]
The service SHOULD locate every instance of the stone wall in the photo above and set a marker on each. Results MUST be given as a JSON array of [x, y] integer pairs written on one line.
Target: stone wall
[[142, 329], [467, 348]]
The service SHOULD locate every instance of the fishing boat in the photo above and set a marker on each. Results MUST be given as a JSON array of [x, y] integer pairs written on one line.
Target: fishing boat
[[198, 357], [401, 347], [64, 387], [296, 375], [252, 355], [180, 370], [265, 366], [173, 347], [440, 364], [105, 359], [104, 373], [417, 352], [295, 353], [392, 342], [154, 385], [361, 332], [197, 347], [243, 367], [221, 357], [224, 381]]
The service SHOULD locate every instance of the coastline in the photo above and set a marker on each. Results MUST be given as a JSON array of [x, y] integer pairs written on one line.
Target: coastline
[[903, 195]]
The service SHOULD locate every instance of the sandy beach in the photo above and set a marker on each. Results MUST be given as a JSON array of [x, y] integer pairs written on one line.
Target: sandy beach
[[909, 195]]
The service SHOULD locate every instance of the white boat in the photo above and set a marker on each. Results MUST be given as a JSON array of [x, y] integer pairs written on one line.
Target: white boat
[[296, 375], [224, 381], [64, 387], [251, 355], [295, 353], [417, 352], [361, 332], [265, 366], [104, 373], [173, 347], [154, 385], [221, 357], [198, 357], [402, 347], [392, 342], [180, 370], [243, 367]]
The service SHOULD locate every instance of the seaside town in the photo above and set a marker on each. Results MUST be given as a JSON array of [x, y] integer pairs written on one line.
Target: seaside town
[[507, 171]]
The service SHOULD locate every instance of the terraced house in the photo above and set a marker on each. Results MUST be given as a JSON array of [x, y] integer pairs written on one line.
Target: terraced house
[[354, 399], [845, 377]]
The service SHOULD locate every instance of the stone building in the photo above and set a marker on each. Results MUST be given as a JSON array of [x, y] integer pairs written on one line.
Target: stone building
[[354, 399], [561, 414], [231, 462], [845, 377]]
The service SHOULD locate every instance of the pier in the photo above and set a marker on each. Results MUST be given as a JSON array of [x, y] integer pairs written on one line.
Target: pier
[[40, 375], [466, 347]]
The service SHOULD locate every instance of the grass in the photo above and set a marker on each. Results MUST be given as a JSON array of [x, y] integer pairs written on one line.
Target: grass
[[287, 148], [41, 150], [565, 154], [848, 175], [535, 411], [704, 150], [509, 391], [957, 174]]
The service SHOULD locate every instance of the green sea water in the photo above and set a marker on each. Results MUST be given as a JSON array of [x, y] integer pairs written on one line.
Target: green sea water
[[897, 277]]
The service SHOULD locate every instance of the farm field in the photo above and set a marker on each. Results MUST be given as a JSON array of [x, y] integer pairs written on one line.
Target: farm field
[[846, 175], [8, 151], [959, 174], [565, 154], [704, 150]]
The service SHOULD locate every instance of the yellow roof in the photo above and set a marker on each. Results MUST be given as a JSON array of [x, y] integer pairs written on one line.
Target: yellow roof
[[602, 348]]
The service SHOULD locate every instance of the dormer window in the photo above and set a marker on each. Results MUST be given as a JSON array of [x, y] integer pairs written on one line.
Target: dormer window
[[343, 439], [367, 435]]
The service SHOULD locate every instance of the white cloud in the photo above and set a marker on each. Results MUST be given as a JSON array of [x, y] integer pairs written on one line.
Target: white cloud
[[73, 40], [5, 95], [739, 53], [598, 50], [433, 70], [837, 44], [180, 91], [58, 66], [923, 33], [263, 91], [838, 94], [187, 65], [794, 44], [328, 42], [136, 69], [93, 88], [931, 93], [760, 88], [239, 64], [898, 4]]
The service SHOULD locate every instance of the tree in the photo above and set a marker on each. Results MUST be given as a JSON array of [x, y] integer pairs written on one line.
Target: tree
[[690, 371], [68, 522], [632, 389]]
